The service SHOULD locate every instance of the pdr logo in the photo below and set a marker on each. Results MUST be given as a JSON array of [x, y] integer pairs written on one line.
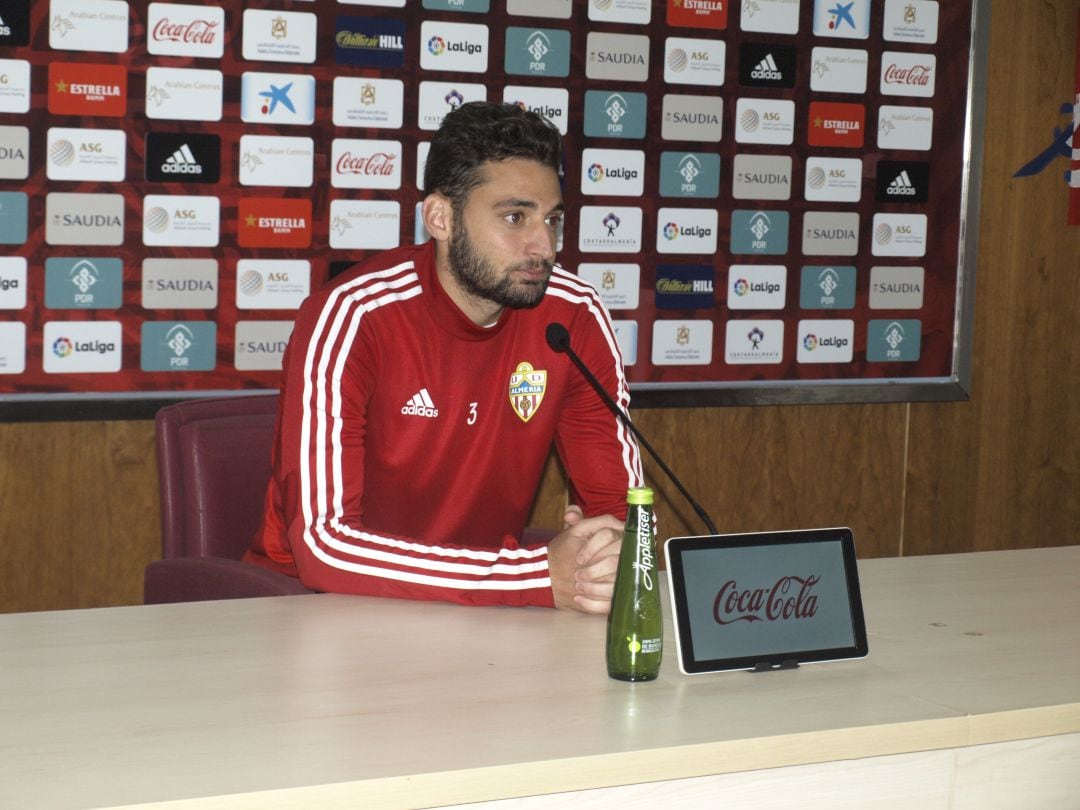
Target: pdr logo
[[179, 339], [538, 45], [436, 46], [671, 231], [689, 168]]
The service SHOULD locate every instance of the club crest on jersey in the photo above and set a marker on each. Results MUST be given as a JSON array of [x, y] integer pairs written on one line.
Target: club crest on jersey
[[527, 386]]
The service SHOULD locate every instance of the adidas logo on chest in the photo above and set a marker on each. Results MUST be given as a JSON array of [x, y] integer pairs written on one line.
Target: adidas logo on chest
[[420, 404]]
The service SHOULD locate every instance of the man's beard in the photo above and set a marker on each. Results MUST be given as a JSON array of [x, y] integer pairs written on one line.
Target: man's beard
[[479, 279]]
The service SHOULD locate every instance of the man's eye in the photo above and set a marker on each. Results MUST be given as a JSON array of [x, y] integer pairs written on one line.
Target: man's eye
[[554, 221], [514, 217]]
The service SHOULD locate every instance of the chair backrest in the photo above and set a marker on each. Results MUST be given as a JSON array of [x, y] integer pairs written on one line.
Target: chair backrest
[[213, 465]]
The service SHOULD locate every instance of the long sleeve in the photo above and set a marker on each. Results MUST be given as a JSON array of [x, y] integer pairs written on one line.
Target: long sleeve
[[600, 454], [315, 504]]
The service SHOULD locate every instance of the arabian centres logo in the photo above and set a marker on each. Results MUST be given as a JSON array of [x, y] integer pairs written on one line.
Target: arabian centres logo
[[790, 597]]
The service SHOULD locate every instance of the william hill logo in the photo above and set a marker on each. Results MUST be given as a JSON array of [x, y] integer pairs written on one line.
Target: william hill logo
[[358, 40]]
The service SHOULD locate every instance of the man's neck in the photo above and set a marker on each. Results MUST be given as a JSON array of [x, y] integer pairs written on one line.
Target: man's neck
[[480, 311]]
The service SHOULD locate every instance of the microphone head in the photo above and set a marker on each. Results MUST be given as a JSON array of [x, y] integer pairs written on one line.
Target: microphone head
[[558, 338]]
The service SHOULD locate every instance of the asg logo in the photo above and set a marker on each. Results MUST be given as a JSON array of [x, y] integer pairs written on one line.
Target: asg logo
[[883, 234]]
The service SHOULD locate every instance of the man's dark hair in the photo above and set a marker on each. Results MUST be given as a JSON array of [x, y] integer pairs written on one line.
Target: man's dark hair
[[480, 132]]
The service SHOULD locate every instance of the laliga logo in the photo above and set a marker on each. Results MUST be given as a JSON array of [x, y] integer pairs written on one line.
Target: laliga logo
[[596, 172], [810, 342], [436, 46], [742, 287], [62, 347], [671, 231]]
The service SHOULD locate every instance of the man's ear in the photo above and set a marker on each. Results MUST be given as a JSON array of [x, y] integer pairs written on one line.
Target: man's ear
[[438, 216]]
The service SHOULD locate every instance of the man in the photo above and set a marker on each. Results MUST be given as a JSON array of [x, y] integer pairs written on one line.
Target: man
[[420, 399]]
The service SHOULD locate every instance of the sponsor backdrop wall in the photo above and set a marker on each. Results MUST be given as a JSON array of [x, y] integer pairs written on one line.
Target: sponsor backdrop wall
[[768, 195]]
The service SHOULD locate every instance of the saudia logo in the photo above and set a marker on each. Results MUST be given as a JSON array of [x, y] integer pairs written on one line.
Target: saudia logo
[[789, 598], [676, 117], [619, 58], [897, 288], [262, 346], [180, 285], [763, 178], [832, 233], [87, 220]]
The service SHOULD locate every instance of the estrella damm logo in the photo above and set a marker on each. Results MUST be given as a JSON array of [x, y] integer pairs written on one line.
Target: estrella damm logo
[[527, 387]]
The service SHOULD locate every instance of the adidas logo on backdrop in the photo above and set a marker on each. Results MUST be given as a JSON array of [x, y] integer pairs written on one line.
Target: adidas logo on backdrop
[[182, 161]]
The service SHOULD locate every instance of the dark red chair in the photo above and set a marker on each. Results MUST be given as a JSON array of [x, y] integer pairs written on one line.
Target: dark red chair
[[214, 465]]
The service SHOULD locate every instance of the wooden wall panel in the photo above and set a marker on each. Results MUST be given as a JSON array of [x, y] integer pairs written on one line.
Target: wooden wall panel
[[1003, 471], [79, 516], [78, 501]]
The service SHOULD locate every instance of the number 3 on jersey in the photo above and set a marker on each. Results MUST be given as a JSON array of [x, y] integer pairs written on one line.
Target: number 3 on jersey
[[472, 414]]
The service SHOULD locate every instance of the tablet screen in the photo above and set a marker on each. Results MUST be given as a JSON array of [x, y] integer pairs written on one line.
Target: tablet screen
[[765, 600]]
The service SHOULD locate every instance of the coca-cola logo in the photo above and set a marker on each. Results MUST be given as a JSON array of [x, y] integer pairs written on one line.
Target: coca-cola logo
[[380, 163], [915, 75], [199, 32], [789, 598]]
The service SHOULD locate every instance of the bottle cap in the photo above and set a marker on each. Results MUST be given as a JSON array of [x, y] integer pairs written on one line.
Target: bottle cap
[[639, 496]]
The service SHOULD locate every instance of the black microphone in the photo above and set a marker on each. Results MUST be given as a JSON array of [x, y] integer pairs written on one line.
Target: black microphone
[[558, 339]]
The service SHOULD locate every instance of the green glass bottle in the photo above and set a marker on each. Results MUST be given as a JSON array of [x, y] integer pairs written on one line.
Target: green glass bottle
[[635, 630]]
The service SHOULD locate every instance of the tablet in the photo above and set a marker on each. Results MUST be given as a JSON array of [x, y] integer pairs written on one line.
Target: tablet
[[764, 601]]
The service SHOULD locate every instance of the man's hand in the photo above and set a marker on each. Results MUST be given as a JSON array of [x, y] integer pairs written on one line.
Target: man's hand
[[583, 559]]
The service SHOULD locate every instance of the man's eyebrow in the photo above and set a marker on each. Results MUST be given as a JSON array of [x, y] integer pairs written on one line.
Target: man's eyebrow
[[514, 202]]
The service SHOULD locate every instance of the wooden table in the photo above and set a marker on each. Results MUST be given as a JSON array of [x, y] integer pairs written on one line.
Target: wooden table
[[970, 698]]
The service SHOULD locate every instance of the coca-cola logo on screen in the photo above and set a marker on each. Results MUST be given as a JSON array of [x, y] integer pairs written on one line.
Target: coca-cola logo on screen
[[790, 597]]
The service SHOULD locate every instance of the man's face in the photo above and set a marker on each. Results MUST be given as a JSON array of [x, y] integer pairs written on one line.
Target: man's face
[[502, 243]]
